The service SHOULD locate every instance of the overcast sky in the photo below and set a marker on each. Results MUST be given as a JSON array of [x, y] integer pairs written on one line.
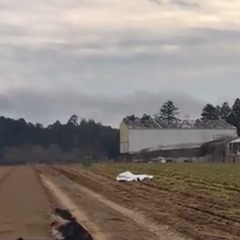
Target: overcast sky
[[104, 59]]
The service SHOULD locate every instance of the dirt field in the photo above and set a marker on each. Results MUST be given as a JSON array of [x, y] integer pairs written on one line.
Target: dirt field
[[103, 219], [184, 201], [199, 201], [29, 194], [24, 208]]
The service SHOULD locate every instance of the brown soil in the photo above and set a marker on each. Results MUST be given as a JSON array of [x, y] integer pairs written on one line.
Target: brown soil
[[173, 206], [28, 195], [102, 216], [198, 209], [24, 207], [78, 213]]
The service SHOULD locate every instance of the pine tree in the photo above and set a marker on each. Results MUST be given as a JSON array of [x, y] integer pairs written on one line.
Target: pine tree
[[73, 120], [218, 111], [234, 117], [225, 111], [169, 112], [210, 112]]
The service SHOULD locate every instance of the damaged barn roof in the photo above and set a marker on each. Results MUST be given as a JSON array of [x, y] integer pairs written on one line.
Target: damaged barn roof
[[148, 122]]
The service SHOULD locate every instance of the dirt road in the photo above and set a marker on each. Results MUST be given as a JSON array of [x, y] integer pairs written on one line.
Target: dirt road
[[24, 207]]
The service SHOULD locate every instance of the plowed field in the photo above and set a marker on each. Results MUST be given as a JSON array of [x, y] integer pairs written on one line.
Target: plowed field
[[182, 202], [199, 201]]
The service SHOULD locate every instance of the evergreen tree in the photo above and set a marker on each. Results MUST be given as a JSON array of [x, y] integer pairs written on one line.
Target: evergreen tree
[[210, 112], [218, 111], [73, 120], [146, 117], [87, 137], [234, 117], [225, 111], [168, 112]]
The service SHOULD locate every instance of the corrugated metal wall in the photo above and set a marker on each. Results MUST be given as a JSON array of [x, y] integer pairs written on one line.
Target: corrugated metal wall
[[140, 139], [124, 138]]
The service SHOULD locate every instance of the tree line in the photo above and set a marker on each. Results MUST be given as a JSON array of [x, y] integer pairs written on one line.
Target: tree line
[[23, 141], [225, 112], [169, 113], [75, 139]]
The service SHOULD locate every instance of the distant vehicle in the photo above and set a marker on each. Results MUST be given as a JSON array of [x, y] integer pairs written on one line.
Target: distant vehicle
[[159, 159]]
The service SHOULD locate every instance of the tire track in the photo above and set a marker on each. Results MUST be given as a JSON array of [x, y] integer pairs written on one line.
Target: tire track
[[67, 203], [160, 230]]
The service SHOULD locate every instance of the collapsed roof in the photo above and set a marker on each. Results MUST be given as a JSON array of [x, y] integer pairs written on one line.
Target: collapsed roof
[[148, 122]]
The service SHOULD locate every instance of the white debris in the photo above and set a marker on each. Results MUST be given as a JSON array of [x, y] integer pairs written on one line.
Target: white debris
[[130, 177]]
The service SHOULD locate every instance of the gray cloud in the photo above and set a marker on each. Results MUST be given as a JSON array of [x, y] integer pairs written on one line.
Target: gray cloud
[[105, 59], [180, 3], [46, 107], [198, 63], [187, 3], [156, 1]]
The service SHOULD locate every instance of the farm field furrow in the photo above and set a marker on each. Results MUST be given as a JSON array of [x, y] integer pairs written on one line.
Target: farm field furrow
[[111, 223], [198, 200], [182, 202]]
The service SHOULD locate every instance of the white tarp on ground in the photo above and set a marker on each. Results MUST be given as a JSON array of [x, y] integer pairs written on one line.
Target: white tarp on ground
[[130, 177]]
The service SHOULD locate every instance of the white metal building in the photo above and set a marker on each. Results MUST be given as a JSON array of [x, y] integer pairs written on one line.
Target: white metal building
[[137, 134]]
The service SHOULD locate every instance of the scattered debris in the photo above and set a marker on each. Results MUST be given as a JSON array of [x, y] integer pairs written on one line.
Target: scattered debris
[[130, 177], [65, 227], [148, 122]]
